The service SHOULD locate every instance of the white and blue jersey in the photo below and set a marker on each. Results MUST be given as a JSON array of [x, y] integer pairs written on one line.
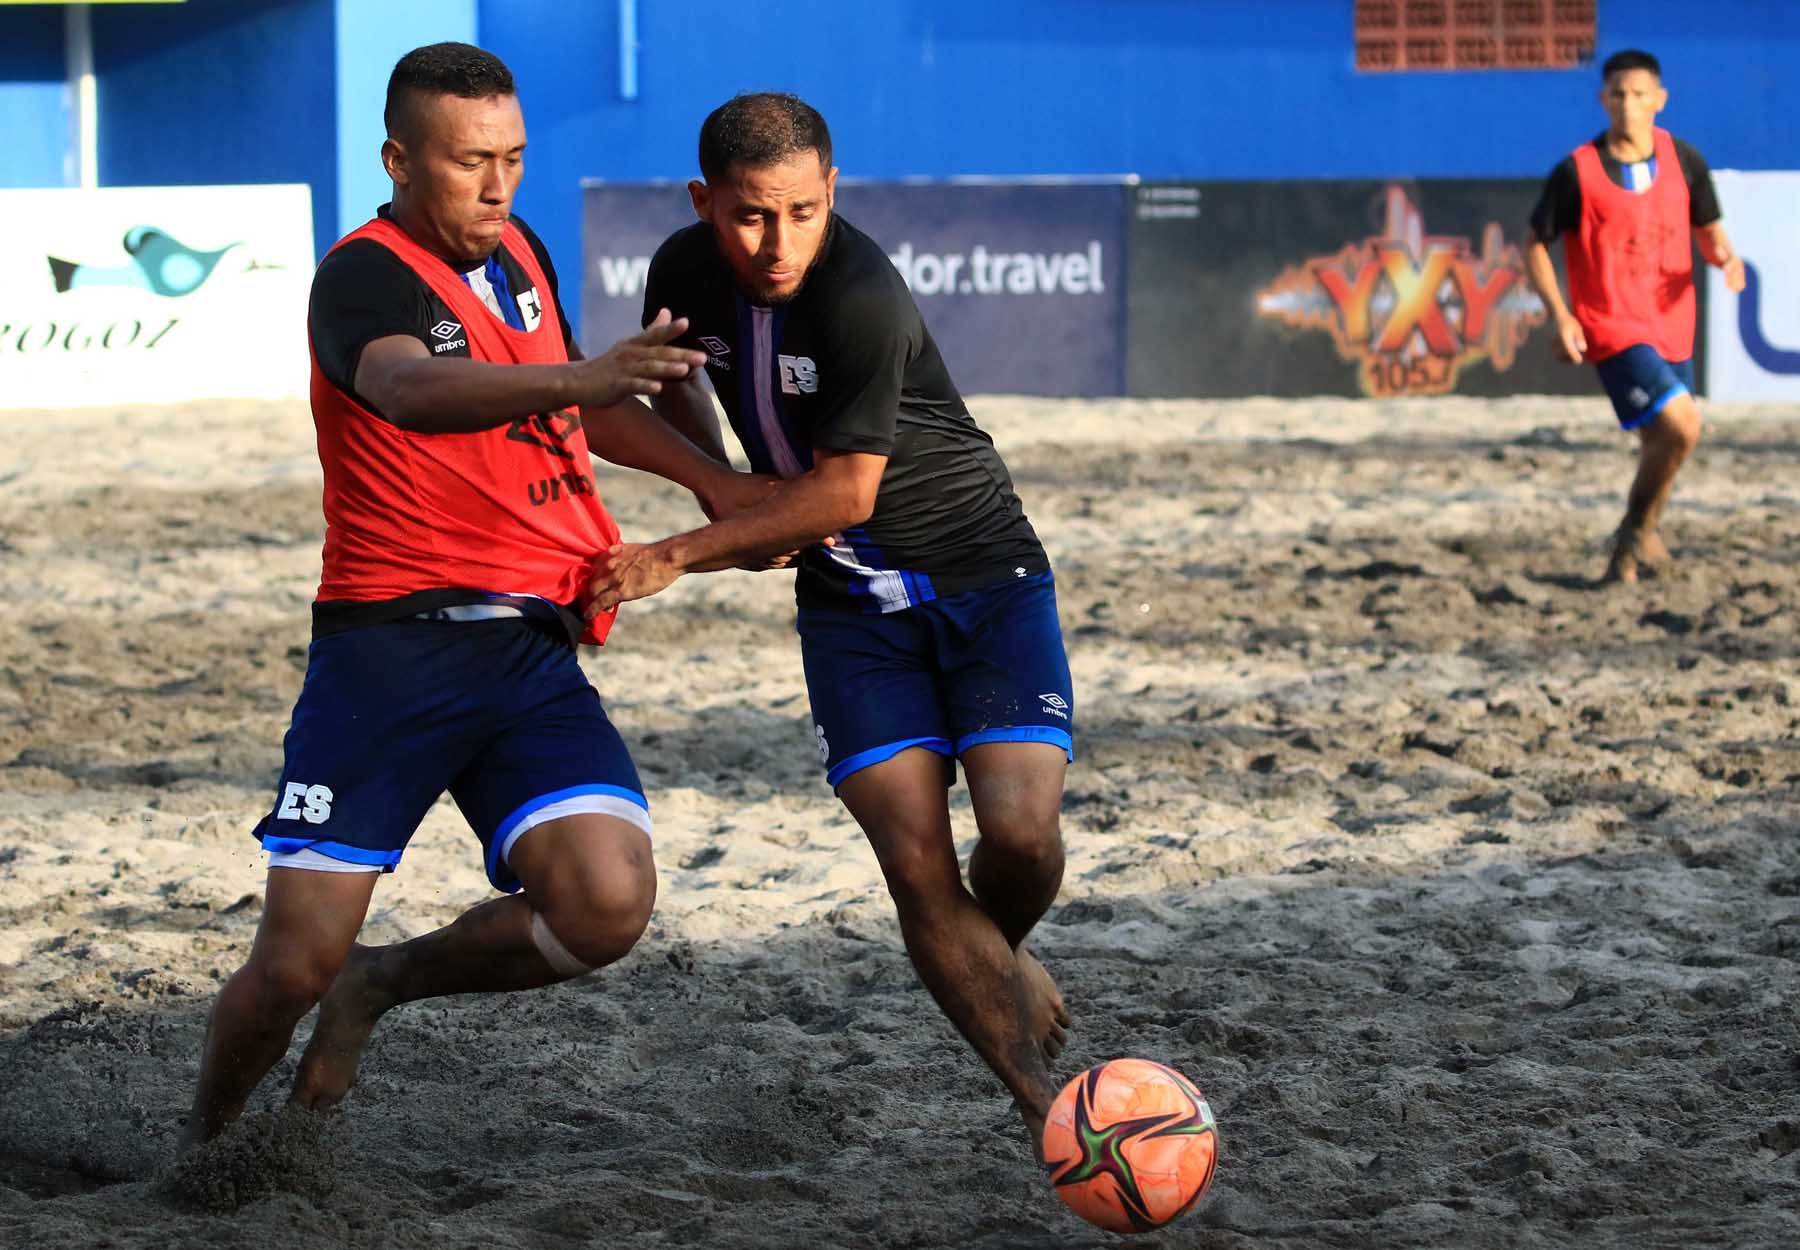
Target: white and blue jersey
[[848, 365]]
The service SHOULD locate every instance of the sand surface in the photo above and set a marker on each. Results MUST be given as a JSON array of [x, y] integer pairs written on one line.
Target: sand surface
[[1468, 891]]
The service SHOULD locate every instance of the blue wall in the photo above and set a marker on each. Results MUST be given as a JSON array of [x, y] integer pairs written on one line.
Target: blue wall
[[219, 91], [34, 104], [370, 38], [1160, 88]]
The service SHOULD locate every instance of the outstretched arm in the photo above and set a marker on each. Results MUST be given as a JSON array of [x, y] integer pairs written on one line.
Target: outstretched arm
[[1716, 250], [838, 492], [1542, 271], [447, 395]]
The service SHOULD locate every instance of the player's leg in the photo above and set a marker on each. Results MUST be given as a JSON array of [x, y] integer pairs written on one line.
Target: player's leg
[[1665, 445], [360, 771], [960, 953], [1016, 868], [309, 922], [882, 731], [1006, 680], [1655, 399], [557, 802], [589, 886]]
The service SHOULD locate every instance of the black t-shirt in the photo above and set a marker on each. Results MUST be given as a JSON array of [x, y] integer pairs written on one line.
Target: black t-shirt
[[1558, 208], [363, 292], [848, 365]]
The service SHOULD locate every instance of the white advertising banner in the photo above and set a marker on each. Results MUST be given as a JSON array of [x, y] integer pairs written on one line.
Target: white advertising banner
[[1753, 339], [149, 295]]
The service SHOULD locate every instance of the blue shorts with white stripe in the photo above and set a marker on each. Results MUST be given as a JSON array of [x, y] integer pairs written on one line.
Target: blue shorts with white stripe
[[948, 674]]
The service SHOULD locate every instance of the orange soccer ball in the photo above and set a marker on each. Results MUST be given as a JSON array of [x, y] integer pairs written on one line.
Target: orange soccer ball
[[1130, 1145]]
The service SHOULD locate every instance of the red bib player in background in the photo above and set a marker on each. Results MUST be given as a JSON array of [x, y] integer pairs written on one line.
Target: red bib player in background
[[1624, 205]]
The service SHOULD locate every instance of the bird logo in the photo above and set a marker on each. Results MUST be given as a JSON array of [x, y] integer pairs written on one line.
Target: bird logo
[[162, 264]]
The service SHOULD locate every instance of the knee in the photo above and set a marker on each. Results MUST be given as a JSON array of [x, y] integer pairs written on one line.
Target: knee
[[1023, 834], [919, 871], [290, 983], [601, 913], [1679, 428]]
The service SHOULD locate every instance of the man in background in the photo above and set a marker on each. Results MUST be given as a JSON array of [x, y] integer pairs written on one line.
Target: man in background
[[1623, 204]]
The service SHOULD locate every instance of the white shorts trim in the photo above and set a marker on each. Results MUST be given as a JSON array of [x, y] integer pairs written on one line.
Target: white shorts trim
[[317, 862], [599, 804]]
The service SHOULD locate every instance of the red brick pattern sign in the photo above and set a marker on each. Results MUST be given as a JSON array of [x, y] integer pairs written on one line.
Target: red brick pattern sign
[[1473, 34]]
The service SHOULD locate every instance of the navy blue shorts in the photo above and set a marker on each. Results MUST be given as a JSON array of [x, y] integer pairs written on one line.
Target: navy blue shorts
[[986, 665], [391, 716], [1641, 383]]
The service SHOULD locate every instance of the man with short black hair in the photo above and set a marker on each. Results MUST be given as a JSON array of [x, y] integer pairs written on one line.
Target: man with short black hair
[[455, 418], [928, 623], [1624, 204]]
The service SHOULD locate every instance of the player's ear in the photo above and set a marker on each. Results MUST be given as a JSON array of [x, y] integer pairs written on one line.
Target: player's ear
[[701, 195], [393, 159], [831, 187]]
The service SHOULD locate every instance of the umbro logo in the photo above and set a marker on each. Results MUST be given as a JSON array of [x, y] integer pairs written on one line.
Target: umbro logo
[[1055, 704], [446, 329], [716, 351]]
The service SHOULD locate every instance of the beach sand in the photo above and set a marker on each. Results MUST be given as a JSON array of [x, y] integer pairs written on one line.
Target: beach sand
[[1468, 891]]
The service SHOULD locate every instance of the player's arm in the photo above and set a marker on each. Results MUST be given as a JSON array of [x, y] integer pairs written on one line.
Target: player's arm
[[688, 408], [1716, 250], [837, 492], [1557, 212], [450, 395], [1704, 216], [1542, 271]]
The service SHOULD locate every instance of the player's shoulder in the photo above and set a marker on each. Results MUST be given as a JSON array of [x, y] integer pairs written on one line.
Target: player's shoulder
[[689, 248], [531, 239], [856, 274], [1687, 153], [359, 266]]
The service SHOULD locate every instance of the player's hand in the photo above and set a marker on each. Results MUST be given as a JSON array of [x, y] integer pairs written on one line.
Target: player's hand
[[624, 572], [1571, 342], [638, 365], [782, 561], [729, 492], [1733, 270]]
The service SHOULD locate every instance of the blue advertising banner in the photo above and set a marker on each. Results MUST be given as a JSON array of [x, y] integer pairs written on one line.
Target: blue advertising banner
[[1021, 284]]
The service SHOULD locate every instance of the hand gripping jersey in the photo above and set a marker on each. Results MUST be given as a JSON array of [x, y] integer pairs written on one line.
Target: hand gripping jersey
[[1630, 264], [507, 511]]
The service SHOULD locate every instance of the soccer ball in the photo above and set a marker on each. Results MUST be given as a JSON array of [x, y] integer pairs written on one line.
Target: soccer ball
[[1130, 1145]]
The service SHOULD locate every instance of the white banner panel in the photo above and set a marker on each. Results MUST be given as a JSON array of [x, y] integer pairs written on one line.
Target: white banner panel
[[1753, 339], [148, 295]]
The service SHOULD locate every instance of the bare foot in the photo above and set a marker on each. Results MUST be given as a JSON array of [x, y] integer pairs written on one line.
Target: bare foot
[[347, 1016], [1653, 553], [1627, 555], [1034, 1128], [1046, 1016]]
